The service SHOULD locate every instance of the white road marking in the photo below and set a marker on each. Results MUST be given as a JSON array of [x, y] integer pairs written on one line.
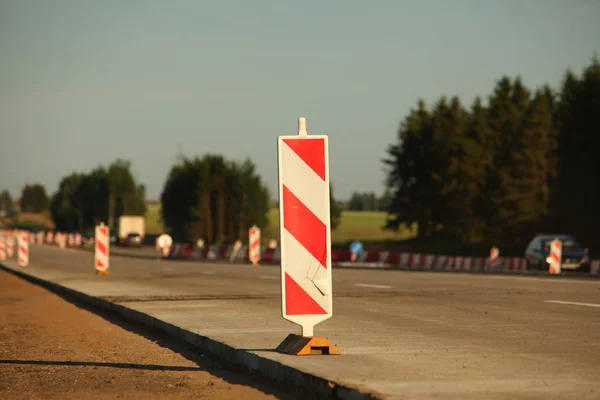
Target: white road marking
[[270, 277], [370, 285], [573, 303]]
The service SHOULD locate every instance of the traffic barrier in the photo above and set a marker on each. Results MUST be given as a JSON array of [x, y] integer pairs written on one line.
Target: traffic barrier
[[390, 259], [494, 254], [254, 244], [23, 249], [306, 294], [101, 254], [2, 247], [10, 245], [555, 258]]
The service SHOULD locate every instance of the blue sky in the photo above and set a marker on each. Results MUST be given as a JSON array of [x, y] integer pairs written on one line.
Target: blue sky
[[85, 82]]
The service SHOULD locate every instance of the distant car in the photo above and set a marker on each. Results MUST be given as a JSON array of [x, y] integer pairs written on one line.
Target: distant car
[[574, 256], [133, 240]]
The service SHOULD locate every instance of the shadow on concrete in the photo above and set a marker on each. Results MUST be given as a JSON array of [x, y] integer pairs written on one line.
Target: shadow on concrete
[[148, 367]]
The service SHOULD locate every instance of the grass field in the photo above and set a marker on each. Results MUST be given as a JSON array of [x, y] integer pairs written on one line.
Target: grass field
[[355, 225]]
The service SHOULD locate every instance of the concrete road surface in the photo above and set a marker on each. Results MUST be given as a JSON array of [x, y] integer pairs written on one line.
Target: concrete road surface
[[414, 335]]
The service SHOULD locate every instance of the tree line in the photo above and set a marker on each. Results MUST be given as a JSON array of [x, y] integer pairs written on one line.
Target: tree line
[[501, 170], [369, 201], [217, 200], [83, 200], [210, 197]]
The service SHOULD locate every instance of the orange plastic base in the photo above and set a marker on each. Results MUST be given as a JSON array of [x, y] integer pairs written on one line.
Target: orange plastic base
[[102, 272], [307, 346]]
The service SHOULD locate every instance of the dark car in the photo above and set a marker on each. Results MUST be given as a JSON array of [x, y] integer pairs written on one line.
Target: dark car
[[133, 240], [574, 256]]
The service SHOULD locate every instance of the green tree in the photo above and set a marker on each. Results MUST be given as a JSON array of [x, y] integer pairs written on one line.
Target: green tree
[[576, 193], [84, 200], [508, 106], [533, 167], [213, 199], [408, 173], [6, 204], [335, 211], [125, 196], [65, 206], [34, 199]]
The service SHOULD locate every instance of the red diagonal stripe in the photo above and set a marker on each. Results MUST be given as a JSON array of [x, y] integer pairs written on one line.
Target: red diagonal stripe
[[23, 250], [305, 226], [311, 151], [100, 246], [104, 230], [99, 264], [254, 244], [297, 301]]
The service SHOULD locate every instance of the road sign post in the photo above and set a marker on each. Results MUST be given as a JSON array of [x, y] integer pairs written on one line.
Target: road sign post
[[306, 290], [254, 245], [102, 245]]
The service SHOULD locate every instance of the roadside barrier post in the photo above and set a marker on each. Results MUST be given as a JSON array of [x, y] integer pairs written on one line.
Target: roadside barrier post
[[254, 245], [102, 245], [494, 254], [164, 243], [307, 297], [555, 258], [10, 245], [2, 246], [23, 249]]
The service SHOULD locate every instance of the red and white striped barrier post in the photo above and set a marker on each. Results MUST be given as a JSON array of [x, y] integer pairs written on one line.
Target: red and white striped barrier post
[[23, 249], [102, 244], [306, 289], [555, 258], [163, 244], [494, 254], [254, 245], [10, 245], [78, 239], [2, 247], [237, 245]]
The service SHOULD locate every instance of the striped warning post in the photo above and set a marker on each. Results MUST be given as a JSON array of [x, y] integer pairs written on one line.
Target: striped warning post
[[23, 249], [10, 245], [254, 245], [303, 163], [101, 257], [494, 255], [555, 258], [2, 247]]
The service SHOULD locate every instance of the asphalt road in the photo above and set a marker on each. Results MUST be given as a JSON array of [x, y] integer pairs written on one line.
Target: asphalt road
[[404, 334]]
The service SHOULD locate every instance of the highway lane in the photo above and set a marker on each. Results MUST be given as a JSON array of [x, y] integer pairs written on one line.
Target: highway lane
[[416, 333]]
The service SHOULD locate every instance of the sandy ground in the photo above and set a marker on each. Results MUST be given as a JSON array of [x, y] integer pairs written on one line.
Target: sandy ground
[[53, 349]]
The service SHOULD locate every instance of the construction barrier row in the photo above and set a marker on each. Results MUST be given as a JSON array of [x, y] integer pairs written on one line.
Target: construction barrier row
[[416, 261]]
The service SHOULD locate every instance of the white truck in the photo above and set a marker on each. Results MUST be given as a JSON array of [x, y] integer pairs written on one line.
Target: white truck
[[131, 230]]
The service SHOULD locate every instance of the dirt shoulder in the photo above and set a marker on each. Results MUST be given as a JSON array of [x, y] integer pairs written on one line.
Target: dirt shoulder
[[53, 349]]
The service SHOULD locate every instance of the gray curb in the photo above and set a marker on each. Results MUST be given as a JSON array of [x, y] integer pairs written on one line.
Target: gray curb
[[269, 369]]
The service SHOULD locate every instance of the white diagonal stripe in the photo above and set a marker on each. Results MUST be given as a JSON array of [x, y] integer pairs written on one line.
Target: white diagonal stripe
[[304, 183], [303, 268]]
